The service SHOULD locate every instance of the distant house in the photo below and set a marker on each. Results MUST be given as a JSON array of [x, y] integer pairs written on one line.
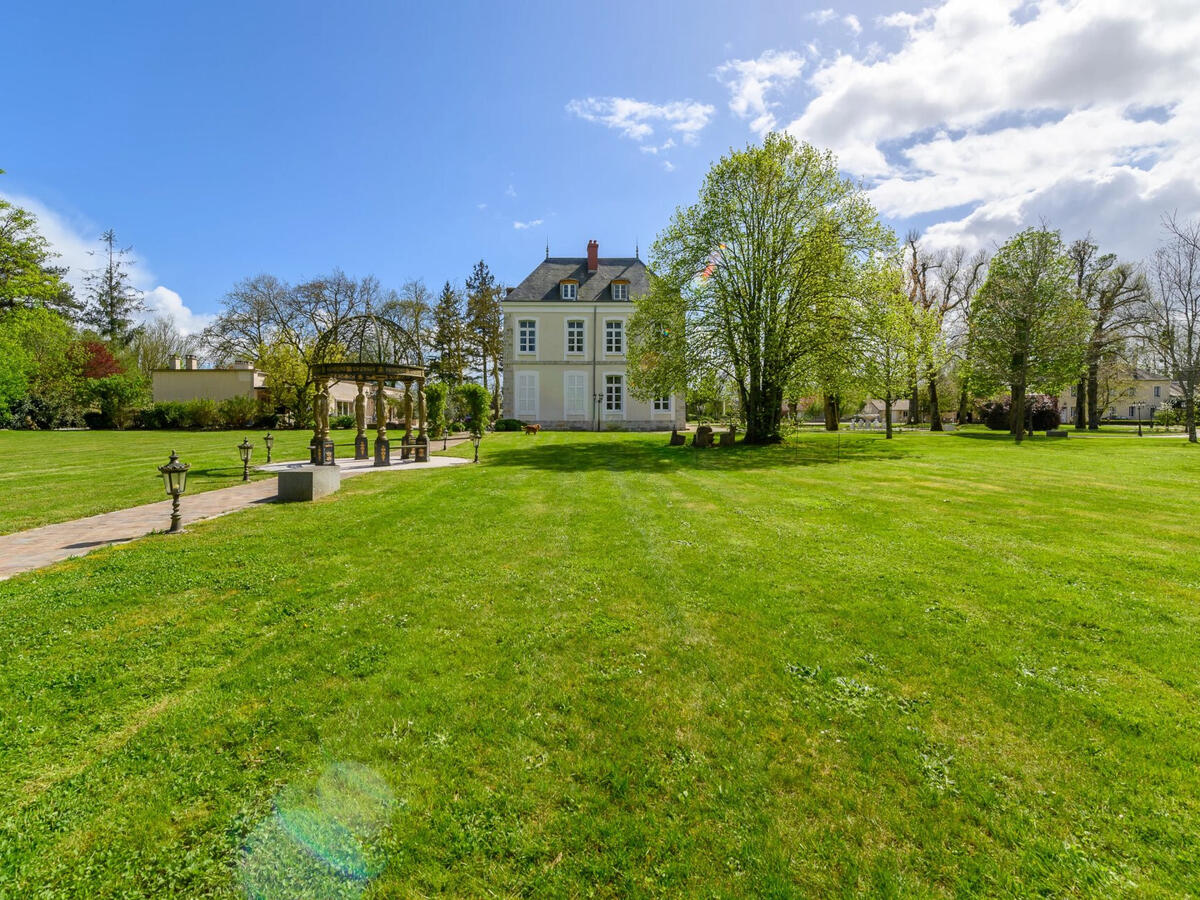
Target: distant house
[[565, 333], [1151, 389], [873, 410], [185, 380]]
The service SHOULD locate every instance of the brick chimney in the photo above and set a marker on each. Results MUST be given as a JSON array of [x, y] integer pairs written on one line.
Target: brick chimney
[[176, 361], [192, 363], [593, 256]]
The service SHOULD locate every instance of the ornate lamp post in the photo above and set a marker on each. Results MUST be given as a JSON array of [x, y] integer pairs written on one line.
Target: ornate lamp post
[[475, 439], [269, 440], [174, 475], [1139, 406], [245, 448]]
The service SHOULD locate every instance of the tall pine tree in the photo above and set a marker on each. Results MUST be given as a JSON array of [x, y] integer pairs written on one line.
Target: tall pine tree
[[111, 299], [484, 324], [449, 337]]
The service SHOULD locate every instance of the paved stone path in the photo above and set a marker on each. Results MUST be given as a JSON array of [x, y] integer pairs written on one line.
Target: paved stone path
[[38, 547]]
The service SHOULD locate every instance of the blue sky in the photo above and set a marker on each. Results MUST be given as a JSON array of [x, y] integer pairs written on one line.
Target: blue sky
[[223, 140]]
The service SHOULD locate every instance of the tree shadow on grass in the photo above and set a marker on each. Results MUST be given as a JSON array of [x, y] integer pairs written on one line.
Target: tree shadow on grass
[[646, 456]]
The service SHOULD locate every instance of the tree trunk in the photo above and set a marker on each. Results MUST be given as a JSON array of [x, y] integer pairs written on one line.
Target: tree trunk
[[1189, 412], [763, 407], [914, 402], [887, 415], [1081, 405], [1093, 395], [831, 412], [964, 403], [935, 414]]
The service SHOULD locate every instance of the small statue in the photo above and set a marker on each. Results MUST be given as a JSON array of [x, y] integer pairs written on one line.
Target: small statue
[[360, 411]]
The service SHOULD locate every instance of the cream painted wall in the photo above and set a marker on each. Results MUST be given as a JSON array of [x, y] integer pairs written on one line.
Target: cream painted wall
[[196, 384]]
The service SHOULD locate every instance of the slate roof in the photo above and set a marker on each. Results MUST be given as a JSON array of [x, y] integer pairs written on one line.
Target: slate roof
[[542, 282]]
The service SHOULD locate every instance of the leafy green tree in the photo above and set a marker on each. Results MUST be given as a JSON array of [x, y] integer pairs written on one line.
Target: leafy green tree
[[287, 380], [1173, 317], [28, 275], [112, 300], [449, 352], [1031, 326], [762, 270], [485, 325], [435, 406], [891, 334], [40, 369]]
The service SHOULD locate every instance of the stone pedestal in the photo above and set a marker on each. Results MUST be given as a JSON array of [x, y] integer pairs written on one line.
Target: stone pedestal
[[308, 482], [383, 452], [362, 447], [322, 453], [421, 450]]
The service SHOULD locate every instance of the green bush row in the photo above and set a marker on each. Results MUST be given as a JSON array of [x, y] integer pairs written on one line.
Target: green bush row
[[234, 412]]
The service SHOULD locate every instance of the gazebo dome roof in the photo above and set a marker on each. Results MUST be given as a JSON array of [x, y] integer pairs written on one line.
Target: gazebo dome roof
[[367, 347]]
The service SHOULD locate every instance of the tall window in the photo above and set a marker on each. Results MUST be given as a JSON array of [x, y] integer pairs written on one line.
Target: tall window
[[662, 404], [1157, 390], [569, 290], [620, 291], [614, 336], [1131, 412], [527, 336], [574, 335], [527, 395], [614, 393], [575, 394]]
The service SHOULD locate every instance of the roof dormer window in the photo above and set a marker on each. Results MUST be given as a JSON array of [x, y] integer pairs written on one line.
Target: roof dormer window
[[620, 290], [568, 289]]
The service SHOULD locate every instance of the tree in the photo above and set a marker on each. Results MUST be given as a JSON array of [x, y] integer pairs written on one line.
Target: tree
[[1115, 294], [40, 370], [412, 310], [473, 399], [111, 300], [485, 324], [762, 271], [449, 337], [158, 340], [1031, 327], [1173, 314], [890, 335], [28, 276], [960, 276], [253, 313]]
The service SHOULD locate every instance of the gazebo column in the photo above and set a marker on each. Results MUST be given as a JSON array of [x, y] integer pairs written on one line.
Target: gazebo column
[[406, 452], [422, 445], [383, 452], [361, 444]]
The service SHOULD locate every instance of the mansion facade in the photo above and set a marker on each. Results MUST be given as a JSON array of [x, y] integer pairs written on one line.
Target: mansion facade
[[565, 333]]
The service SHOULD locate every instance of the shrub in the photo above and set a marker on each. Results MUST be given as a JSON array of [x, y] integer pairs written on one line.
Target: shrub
[[1166, 416], [167, 414], [509, 425], [474, 399], [342, 422], [435, 407], [201, 413], [237, 412], [457, 426], [1041, 408]]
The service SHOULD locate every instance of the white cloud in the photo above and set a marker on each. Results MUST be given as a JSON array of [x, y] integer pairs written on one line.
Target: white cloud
[[532, 223], [825, 16], [668, 165], [481, 206], [77, 243], [822, 16], [751, 80], [510, 191], [636, 119], [658, 148], [997, 114], [851, 22]]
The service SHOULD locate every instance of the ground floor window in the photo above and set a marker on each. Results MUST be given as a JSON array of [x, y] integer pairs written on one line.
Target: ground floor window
[[661, 404], [614, 393], [575, 394], [526, 395], [343, 407]]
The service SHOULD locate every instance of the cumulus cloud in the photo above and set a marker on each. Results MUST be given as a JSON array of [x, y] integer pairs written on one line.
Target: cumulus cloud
[[750, 81], [637, 119], [993, 115], [532, 223], [825, 16], [77, 243]]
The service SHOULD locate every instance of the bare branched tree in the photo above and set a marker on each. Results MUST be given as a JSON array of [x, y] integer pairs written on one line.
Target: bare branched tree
[[1173, 313]]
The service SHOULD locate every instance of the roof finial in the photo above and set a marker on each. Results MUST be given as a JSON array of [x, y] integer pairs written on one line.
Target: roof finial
[[637, 249], [547, 248]]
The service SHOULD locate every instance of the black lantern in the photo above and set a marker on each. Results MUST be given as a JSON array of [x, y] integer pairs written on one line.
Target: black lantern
[[245, 448], [174, 475], [269, 440], [475, 439], [1139, 406]]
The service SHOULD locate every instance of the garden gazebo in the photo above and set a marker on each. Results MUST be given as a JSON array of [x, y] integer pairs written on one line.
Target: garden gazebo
[[362, 349]]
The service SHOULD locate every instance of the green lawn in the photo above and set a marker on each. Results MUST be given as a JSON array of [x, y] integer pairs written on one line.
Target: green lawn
[[53, 476], [594, 665]]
